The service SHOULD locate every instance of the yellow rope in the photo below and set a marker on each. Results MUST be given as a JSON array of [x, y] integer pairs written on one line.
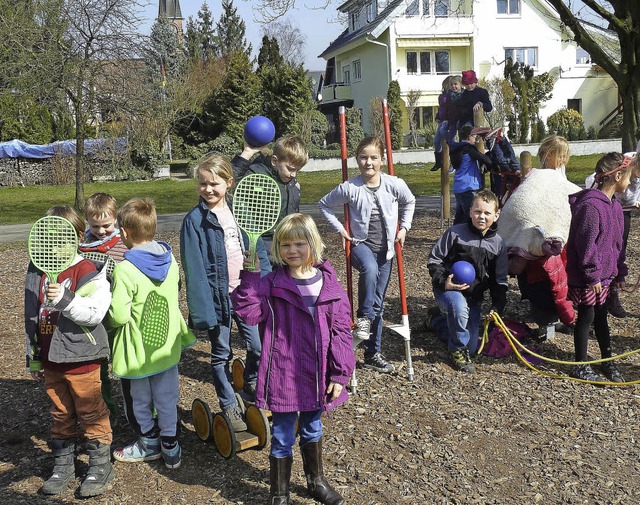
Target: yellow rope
[[515, 344]]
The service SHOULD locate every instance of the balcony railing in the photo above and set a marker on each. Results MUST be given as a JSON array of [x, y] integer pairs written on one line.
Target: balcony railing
[[337, 91]]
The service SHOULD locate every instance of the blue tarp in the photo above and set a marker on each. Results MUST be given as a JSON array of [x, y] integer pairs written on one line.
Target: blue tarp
[[19, 149]]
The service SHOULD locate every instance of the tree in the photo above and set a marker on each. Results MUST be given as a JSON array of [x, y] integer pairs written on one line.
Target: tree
[[269, 54], [394, 103], [200, 36], [230, 32], [502, 99], [237, 98], [271, 10], [376, 126], [412, 104], [82, 48], [290, 39], [623, 18]]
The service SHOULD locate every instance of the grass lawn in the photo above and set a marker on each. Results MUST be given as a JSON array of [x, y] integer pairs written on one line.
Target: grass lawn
[[25, 205]]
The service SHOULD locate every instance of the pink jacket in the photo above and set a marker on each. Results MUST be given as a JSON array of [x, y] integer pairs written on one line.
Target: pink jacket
[[300, 354]]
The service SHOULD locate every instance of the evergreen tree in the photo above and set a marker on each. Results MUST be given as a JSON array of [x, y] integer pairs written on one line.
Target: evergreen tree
[[235, 100], [200, 35], [230, 32], [165, 50], [192, 40], [269, 54], [394, 102]]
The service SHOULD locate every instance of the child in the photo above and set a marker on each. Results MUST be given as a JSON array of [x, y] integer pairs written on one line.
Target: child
[[150, 333], [468, 175], [375, 201], [478, 243], [289, 157], [554, 153], [596, 261], [474, 99], [304, 319], [454, 96], [66, 343], [443, 126], [102, 239], [211, 250]]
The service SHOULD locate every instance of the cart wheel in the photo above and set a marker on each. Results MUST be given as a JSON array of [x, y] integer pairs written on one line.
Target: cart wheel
[[202, 419], [224, 436], [258, 425], [237, 373], [241, 404]]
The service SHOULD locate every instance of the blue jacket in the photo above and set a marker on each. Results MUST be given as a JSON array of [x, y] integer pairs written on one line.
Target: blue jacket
[[204, 261], [464, 158]]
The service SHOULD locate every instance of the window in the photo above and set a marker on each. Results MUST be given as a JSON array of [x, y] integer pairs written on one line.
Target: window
[[355, 20], [346, 75], [423, 116], [508, 7], [357, 70], [426, 60], [413, 9], [575, 104], [425, 7], [525, 55], [441, 8], [371, 11]]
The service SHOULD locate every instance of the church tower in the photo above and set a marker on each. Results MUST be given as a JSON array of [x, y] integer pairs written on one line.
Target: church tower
[[170, 9]]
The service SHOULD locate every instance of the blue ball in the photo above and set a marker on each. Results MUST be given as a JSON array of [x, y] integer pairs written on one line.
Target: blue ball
[[259, 131], [463, 272]]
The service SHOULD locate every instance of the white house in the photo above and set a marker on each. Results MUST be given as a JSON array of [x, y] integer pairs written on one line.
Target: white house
[[420, 42]]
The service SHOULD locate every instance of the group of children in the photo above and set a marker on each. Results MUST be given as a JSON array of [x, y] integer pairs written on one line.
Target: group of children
[[292, 313]]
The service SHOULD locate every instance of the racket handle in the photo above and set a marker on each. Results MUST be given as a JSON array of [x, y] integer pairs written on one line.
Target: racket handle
[[252, 254]]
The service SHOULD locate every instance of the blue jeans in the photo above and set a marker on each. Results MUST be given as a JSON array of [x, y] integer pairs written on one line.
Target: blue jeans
[[283, 431], [375, 273], [441, 133], [464, 201], [460, 323], [251, 338]]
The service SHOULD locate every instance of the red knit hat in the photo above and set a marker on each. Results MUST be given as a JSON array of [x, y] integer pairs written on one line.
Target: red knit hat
[[469, 77]]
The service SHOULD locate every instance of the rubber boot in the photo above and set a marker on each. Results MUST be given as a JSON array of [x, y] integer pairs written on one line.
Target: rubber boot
[[317, 485], [438, 164], [100, 471], [279, 476], [64, 467]]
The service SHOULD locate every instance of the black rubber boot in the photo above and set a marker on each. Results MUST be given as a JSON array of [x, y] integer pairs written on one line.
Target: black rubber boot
[[317, 485], [64, 467], [438, 164], [100, 471], [279, 476]]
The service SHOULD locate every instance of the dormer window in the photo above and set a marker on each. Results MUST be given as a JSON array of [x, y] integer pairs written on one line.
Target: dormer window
[[372, 11], [508, 7], [425, 8]]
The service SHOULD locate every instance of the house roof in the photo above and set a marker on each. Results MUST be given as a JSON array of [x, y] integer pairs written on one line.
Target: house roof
[[375, 27], [606, 39]]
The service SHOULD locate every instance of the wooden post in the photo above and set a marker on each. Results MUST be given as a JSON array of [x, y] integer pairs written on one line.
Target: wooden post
[[525, 163], [478, 117], [445, 210]]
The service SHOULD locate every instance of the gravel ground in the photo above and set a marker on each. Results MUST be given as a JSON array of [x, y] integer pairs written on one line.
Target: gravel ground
[[505, 435]]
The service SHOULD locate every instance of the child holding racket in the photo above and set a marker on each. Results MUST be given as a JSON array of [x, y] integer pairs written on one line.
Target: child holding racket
[[211, 250], [596, 260], [305, 322], [66, 342], [375, 200], [289, 156], [150, 334]]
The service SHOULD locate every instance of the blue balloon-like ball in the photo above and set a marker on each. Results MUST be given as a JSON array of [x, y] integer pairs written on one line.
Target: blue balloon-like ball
[[259, 131], [463, 272]]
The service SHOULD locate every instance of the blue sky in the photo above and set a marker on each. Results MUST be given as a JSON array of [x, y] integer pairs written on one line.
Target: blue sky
[[319, 25]]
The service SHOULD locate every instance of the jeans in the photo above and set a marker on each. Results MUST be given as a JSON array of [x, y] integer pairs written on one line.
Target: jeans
[[375, 273], [283, 431], [251, 338], [439, 136], [464, 201], [462, 317], [159, 391], [221, 356]]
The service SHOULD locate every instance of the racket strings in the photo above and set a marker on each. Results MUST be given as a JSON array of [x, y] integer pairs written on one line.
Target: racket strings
[[52, 244], [257, 204]]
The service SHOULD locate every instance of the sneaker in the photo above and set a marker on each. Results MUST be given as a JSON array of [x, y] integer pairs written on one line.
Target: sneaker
[[143, 449], [452, 170], [586, 373], [614, 305], [235, 417], [362, 330], [611, 372], [249, 392], [379, 363], [462, 360], [171, 454]]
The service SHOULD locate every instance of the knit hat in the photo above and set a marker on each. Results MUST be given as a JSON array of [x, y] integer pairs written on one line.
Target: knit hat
[[469, 77]]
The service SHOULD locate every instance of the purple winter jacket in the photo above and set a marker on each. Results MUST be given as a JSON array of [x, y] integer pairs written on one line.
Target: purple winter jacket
[[594, 246], [300, 354]]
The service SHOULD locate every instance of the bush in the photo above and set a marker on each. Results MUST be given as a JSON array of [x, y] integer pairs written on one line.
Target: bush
[[322, 153], [429, 133], [568, 123], [592, 134], [355, 133], [224, 145]]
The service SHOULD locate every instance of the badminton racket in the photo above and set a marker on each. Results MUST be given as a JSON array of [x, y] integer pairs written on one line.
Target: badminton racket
[[52, 245], [256, 207]]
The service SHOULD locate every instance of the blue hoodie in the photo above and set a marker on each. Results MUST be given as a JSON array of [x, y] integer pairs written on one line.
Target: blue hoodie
[[153, 259]]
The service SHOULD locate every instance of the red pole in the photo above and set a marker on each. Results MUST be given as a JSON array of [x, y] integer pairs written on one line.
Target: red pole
[[387, 139], [344, 154]]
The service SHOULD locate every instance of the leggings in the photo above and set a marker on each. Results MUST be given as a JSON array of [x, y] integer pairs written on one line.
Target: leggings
[[589, 315]]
